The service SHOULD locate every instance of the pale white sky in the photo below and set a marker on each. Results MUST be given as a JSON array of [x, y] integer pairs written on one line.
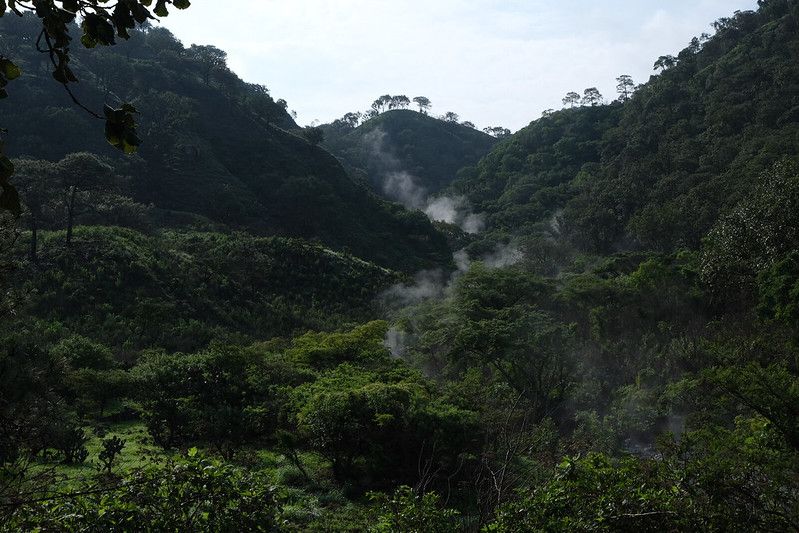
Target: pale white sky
[[494, 62]]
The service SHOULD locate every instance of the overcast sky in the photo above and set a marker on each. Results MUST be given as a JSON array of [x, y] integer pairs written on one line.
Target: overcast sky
[[494, 62]]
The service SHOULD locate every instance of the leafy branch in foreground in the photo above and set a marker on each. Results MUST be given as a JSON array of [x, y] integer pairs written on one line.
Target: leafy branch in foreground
[[101, 21]]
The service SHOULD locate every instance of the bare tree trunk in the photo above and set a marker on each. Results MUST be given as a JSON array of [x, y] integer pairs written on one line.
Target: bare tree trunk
[[34, 239], [70, 214]]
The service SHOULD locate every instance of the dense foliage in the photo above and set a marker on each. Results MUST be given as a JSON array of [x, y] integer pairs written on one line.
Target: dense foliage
[[213, 146], [682, 150], [181, 290], [430, 149], [617, 352]]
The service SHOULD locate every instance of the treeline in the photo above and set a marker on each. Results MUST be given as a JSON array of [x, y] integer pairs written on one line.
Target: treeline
[[388, 102], [645, 171]]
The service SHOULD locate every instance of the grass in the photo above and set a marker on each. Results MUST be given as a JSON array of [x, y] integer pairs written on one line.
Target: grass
[[308, 504], [139, 451]]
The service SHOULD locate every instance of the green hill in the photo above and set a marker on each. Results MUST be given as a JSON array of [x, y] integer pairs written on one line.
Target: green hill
[[212, 146], [426, 148], [180, 290], [657, 171]]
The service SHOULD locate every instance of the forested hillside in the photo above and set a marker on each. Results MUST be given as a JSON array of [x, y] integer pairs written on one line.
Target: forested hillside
[[228, 331], [214, 146], [430, 150], [182, 290], [657, 171]]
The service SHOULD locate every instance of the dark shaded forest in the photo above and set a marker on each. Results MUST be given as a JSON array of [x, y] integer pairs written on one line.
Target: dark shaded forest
[[396, 322]]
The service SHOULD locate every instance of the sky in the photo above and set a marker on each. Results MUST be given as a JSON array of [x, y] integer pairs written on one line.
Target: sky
[[494, 62]]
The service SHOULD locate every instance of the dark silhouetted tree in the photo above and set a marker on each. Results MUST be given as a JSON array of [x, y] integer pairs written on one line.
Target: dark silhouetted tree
[[592, 97], [36, 182], [81, 173], [210, 59], [351, 120], [424, 104], [313, 134], [382, 103], [399, 102], [497, 131], [665, 62], [625, 87], [571, 99]]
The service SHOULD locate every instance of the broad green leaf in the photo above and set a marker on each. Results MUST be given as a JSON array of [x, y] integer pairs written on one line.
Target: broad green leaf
[[9, 69], [160, 8]]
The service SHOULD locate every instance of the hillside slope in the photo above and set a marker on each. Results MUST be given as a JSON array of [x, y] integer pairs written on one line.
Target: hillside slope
[[659, 170], [429, 150], [180, 290], [212, 146]]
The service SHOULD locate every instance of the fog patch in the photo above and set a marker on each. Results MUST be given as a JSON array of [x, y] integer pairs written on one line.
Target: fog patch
[[456, 211], [401, 186], [431, 285], [397, 342], [504, 255], [426, 285]]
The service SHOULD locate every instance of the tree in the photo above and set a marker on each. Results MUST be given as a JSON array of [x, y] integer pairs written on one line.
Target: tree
[[192, 493], [313, 134], [423, 103], [469, 124], [80, 352], [221, 397], [35, 181], [571, 99], [408, 511], [399, 102], [210, 59], [260, 102], [112, 447], [451, 116], [101, 22], [381, 103], [497, 131], [665, 62], [592, 97], [351, 120], [81, 173], [625, 88]]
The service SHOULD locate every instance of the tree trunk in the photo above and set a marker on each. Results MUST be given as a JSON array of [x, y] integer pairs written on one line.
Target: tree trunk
[[34, 239], [70, 215]]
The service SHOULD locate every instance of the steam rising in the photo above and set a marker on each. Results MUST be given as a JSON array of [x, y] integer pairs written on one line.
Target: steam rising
[[504, 255], [455, 211], [397, 342], [403, 187], [426, 285], [437, 284]]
